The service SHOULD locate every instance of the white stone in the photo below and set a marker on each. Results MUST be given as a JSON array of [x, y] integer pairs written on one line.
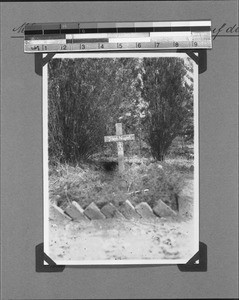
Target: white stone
[[93, 212], [163, 210], [128, 210], [144, 210]]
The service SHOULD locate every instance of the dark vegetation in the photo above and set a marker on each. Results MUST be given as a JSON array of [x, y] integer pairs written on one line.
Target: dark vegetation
[[151, 97], [143, 180]]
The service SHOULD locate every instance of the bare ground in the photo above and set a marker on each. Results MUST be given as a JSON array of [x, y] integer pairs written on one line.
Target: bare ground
[[113, 239]]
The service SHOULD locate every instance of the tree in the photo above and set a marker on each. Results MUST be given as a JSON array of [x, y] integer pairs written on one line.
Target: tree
[[86, 98], [188, 127], [170, 100], [73, 110]]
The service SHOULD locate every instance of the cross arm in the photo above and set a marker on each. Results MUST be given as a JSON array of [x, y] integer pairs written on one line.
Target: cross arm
[[119, 138]]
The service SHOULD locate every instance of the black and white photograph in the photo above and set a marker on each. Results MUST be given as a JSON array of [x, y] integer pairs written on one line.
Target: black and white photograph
[[120, 158], [119, 147]]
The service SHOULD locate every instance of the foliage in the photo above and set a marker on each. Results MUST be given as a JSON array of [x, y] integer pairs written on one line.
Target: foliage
[[151, 97], [170, 102], [86, 97], [143, 180]]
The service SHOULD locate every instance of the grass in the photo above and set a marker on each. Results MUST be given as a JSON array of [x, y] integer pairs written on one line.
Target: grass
[[143, 180]]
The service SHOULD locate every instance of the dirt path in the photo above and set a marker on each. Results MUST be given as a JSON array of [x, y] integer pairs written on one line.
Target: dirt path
[[112, 239]]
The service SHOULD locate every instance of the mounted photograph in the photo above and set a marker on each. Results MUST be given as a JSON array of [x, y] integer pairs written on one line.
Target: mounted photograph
[[120, 158]]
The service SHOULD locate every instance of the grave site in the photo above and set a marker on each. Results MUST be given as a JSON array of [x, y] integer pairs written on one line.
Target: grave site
[[120, 171]]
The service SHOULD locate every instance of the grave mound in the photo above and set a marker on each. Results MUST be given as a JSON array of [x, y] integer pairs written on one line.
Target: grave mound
[[142, 181]]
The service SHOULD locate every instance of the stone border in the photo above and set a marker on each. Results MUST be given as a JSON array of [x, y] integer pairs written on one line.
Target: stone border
[[126, 211]]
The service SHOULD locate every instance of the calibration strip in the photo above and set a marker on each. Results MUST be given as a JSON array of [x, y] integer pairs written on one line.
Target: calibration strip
[[83, 37]]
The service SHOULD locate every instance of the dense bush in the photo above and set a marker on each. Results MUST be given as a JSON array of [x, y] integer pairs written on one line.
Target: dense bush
[[86, 98], [151, 97], [142, 181], [170, 102]]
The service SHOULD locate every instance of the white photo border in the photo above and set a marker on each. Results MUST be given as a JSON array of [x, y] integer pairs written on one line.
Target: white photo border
[[46, 201]]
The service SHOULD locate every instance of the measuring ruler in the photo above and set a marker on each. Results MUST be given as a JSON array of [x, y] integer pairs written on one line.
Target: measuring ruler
[[84, 37]]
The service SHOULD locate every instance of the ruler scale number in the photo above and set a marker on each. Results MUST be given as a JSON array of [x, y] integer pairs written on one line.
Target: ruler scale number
[[84, 37]]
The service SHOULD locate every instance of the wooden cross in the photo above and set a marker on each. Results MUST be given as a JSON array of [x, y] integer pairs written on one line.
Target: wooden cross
[[119, 138]]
